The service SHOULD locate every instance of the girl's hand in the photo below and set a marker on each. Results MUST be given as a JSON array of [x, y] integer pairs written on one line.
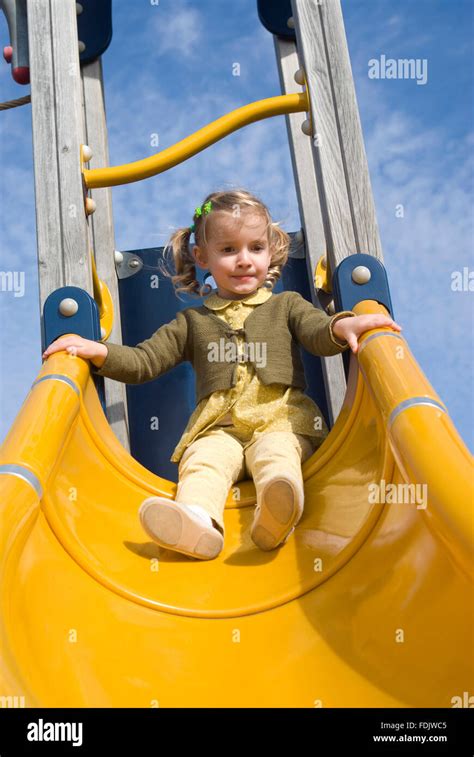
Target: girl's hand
[[351, 328], [78, 346]]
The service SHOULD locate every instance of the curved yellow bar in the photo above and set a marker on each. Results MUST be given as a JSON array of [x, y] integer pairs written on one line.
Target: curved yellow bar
[[186, 148], [322, 278], [104, 301], [96, 284], [346, 614], [107, 317]]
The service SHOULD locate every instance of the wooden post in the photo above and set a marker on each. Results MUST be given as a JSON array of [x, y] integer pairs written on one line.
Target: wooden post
[[330, 166], [310, 211], [56, 101], [67, 111], [102, 226], [338, 145]]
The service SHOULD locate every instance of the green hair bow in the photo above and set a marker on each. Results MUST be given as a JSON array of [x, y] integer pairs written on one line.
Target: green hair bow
[[207, 207]]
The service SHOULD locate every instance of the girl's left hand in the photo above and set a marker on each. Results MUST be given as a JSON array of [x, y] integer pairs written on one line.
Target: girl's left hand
[[351, 328]]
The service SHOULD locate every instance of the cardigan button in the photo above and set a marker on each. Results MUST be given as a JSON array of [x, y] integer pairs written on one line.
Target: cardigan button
[[235, 332]]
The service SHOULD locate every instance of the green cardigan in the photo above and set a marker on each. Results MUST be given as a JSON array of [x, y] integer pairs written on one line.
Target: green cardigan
[[272, 331]]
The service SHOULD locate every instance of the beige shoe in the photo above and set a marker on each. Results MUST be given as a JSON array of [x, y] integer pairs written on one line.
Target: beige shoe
[[276, 517], [173, 526]]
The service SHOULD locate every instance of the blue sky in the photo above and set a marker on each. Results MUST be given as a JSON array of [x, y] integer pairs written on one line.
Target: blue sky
[[168, 71]]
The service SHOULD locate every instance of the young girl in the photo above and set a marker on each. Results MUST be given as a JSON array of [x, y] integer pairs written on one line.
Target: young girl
[[252, 416]]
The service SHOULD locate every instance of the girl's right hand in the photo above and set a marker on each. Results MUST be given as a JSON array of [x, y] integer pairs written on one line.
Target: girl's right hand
[[78, 346]]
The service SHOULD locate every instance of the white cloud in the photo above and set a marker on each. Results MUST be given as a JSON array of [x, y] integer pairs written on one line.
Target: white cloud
[[177, 30]]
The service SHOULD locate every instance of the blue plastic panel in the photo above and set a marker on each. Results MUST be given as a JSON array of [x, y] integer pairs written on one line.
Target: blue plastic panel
[[274, 15], [85, 322], [347, 293], [94, 28]]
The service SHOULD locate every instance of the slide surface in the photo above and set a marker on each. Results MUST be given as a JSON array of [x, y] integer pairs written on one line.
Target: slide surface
[[369, 604]]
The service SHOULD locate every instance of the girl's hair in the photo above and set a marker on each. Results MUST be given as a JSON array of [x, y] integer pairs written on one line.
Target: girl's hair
[[236, 202]]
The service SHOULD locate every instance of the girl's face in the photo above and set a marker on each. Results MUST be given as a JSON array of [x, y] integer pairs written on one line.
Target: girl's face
[[237, 253]]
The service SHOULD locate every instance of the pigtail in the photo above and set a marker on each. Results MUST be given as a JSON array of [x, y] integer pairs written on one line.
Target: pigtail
[[280, 244], [179, 251]]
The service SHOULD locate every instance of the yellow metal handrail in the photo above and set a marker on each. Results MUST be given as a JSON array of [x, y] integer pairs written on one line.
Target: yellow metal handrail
[[96, 285], [186, 148]]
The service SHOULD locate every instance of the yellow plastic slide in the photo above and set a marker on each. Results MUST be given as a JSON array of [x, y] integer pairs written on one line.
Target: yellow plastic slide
[[369, 604]]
